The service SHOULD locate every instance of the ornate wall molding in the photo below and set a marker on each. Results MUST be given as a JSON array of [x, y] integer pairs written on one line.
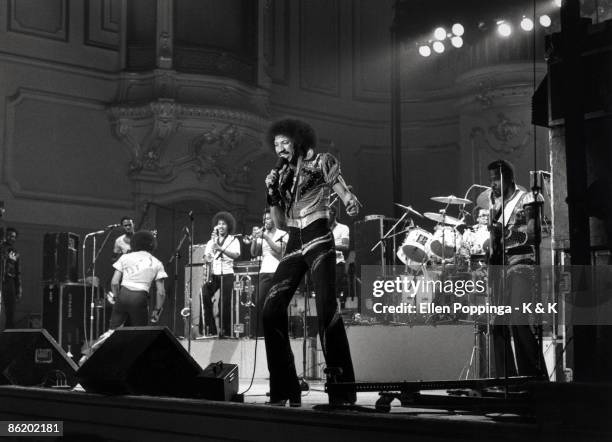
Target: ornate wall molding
[[223, 142], [40, 18], [17, 188], [103, 23], [216, 92]]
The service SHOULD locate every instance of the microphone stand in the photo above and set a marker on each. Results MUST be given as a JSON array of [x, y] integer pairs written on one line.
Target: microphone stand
[[176, 255], [503, 281], [191, 239], [93, 275]]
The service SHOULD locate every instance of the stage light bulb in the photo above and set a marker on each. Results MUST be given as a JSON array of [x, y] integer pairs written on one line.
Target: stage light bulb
[[458, 29], [526, 24], [457, 41], [425, 51], [438, 46], [504, 29], [557, 3], [545, 20], [440, 33]]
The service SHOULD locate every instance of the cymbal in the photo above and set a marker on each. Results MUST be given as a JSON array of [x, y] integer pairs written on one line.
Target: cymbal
[[484, 199], [451, 199], [444, 219], [409, 209]]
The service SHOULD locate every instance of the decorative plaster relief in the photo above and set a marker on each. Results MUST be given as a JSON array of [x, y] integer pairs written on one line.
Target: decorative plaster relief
[[226, 146], [503, 136], [162, 118]]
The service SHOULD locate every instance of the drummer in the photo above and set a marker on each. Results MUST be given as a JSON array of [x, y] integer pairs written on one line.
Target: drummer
[[475, 238]]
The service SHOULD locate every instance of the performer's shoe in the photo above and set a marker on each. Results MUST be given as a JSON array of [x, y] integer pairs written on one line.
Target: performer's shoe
[[343, 401], [295, 400], [283, 402]]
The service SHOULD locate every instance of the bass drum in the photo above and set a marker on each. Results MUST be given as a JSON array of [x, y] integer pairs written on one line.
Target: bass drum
[[416, 246]]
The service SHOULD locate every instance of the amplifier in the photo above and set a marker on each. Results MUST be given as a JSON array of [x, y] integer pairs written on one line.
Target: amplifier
[[66, 315], [196, 255], [218, 382], [194, 279], [367, 234], [246, 267], [60, 257]]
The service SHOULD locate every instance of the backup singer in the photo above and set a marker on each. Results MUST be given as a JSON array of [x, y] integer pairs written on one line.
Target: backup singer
[[268, 245], [298, 196], [11, 271], [220, 252], [520, 278], [134, 274], [123, 242]]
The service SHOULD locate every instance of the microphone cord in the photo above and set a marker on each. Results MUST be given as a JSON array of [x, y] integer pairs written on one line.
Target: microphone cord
[[257, 308]]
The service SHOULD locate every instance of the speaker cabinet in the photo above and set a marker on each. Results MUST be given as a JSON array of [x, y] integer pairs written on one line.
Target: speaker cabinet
[[368, 232], [60, 257], [33, 358], [66, 311], [141, 360], [218, 382]]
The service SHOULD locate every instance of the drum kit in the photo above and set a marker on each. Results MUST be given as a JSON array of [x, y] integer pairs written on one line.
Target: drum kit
[[452, 251], [445, 245]]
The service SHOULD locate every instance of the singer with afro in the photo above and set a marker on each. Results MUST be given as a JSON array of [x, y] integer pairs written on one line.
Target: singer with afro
[[298, 193]]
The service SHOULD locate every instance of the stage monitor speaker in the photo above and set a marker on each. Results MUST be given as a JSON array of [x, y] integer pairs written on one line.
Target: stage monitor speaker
[[31, 357], [141, 360], [66, 310], [218, 382], [60, 257]]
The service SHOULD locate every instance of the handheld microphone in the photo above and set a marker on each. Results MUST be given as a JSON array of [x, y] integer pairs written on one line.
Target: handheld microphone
[[112, 226], [280, 163]]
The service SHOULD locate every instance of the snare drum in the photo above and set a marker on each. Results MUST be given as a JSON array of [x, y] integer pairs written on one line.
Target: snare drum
[[445, 242], [416, 245]]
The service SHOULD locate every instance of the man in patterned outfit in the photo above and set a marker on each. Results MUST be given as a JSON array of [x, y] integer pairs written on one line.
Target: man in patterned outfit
[[299, 191]]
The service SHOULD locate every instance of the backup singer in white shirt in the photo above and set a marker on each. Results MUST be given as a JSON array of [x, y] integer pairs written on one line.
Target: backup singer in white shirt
[[268, 245], [220, 253]]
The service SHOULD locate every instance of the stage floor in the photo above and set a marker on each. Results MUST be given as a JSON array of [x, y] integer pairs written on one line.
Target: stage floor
[[379, 353]]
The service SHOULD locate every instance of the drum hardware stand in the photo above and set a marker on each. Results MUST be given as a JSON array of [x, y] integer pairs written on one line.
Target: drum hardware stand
[[381, 242]]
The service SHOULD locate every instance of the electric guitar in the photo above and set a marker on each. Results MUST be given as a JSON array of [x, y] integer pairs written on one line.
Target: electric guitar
[[512, 239]]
